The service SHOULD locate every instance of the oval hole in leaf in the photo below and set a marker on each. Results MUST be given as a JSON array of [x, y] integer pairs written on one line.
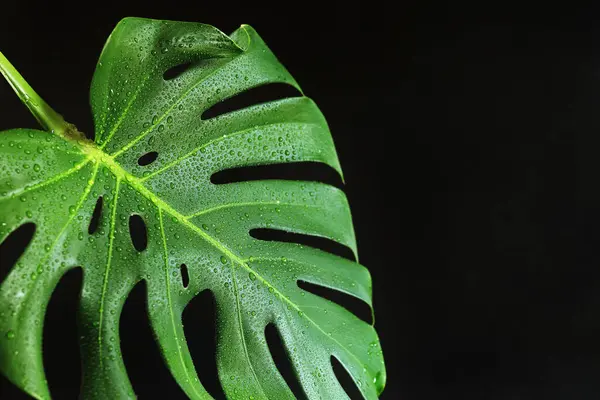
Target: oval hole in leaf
[[90, 134], [345, 380], [258, 95], [13, 247], [96, 215], [185, 277], [144, 364], [199, 325], [325, 244], [147, 158], [176, 71], [62, 359], [282, 360], [138, 232], [353, 304], [180, 69], [297, 171]]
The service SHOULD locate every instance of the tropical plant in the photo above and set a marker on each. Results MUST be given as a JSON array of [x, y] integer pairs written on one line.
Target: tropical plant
[[56, 178]]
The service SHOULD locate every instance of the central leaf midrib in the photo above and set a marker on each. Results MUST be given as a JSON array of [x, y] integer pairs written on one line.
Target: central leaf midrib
[[101, 157]]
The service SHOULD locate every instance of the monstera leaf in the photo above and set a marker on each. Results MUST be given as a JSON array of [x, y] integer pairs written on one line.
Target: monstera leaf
[[55, 178]]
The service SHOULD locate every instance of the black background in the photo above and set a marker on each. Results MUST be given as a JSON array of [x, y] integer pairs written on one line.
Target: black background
[[469, 142]]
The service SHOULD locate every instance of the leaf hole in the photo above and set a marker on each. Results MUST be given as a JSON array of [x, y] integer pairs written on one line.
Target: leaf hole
[[325, 244], [345, 379], [185, 278], [62, 359], [145, 367], [176, 71], [296, 171], [180, 69], [282, 361], [96, 215], [199, 324], [90, 134], [138, 232], [257, 95], [13, 247], [353, 304], [148, 158]]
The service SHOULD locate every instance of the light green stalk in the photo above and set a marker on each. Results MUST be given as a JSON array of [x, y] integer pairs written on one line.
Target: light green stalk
[[46, 116]]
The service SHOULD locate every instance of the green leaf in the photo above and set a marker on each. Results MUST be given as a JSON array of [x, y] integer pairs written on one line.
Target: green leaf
[[54, 180]]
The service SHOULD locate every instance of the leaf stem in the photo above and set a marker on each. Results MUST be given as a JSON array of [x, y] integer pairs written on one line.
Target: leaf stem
[[46, 116]]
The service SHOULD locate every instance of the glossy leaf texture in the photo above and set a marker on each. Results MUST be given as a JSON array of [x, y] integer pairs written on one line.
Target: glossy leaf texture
[[55, 181]]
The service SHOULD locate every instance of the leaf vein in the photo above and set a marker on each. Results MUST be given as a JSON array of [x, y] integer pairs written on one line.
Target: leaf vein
[[242, 336], [54, 179], [125, 112], [86, 193], [162, 117], [167, 279], [108, 264], [250, 203], [204, 145]]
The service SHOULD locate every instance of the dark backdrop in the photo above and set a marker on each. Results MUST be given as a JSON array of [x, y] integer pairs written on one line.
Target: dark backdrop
[[469, 140]]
